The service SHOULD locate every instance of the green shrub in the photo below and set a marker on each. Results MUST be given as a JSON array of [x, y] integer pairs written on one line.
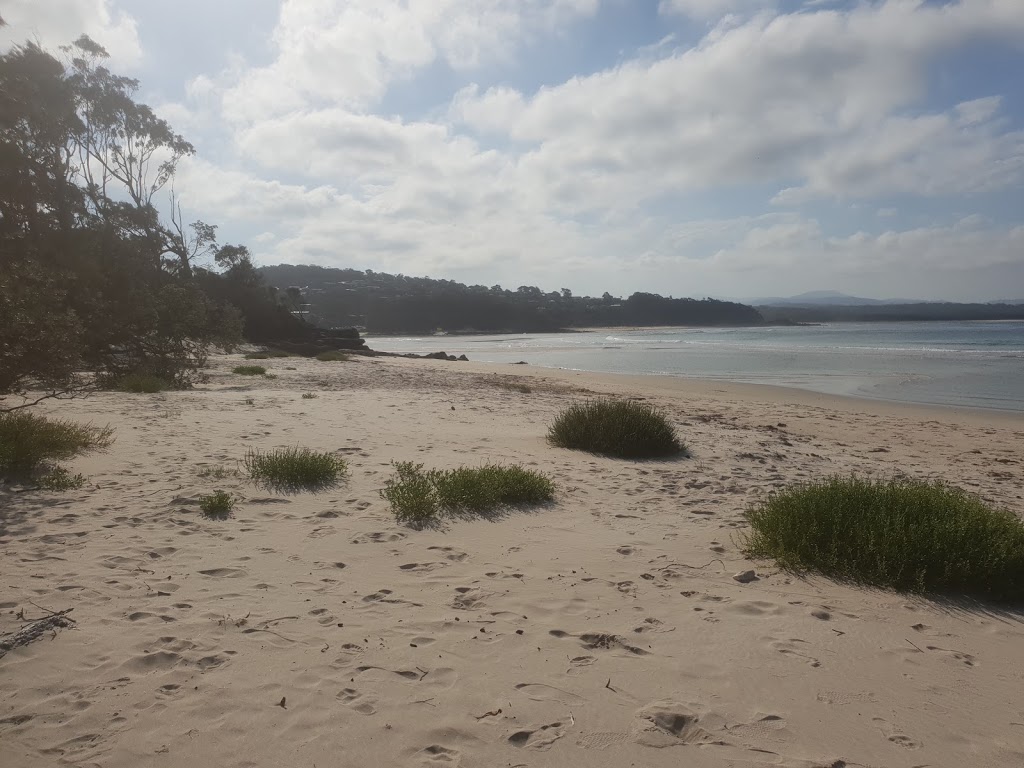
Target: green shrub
[[217, 473], [295, 469], [28, 441], [257, 356], [621, 428], [309, 396], [59, 479], [902, 534], [278, 353], [332, 357], [249, 370], [419, 497], [142, 383], [217, 504]]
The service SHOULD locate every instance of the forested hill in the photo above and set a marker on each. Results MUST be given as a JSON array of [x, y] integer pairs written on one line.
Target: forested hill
[[384, 303]]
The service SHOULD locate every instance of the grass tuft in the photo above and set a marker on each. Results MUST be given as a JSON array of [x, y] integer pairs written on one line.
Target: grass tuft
[[620, 428], [215, 473], [59, 479], [309, 396], [332, 357], [249, 370], [901, 534], [257, 356], [28, 441], [418, 497], [295, 469], [217, 505], [142, 383]]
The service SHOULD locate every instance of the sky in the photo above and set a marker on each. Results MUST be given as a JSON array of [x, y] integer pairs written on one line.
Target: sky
[[737, 148]]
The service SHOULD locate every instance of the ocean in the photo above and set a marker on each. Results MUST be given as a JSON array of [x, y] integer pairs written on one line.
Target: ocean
[[974, 364]]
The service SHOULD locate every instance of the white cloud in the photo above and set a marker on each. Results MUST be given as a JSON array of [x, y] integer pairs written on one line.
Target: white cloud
[[59, 22], [346, 52], [711, 9]]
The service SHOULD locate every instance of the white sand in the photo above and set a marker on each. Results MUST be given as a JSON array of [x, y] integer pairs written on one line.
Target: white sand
[[606, 630]]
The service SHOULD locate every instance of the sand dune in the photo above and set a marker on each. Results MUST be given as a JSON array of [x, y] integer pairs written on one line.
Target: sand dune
[[604, 630]]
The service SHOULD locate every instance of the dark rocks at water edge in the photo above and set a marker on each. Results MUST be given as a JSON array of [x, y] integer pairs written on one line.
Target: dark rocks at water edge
[[323, 340]]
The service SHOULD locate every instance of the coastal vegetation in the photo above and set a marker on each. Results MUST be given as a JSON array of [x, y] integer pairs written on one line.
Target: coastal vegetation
[[419, 497], [141, 383], [103, 282], [30, 445], [217, 504], [901, 534], [249, 370], [621, 428], [385, 303], [294, 469], [332, 357]]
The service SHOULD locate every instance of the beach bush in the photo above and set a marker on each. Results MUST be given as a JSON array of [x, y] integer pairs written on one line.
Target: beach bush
[[59, 479], [901, 534], [28, 442], [249, 370], [295, 469], [257, 356], [418, 497], [142, 383], [620, 428], [332, 357], [309, 396], [218, 504]]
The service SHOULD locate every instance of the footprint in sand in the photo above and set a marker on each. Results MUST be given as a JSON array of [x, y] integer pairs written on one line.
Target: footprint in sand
[[450, 553], [378, 537], [350, 697], [894, 735], [224, 573], [435, 754], [601, 641], [958, 656], [545, 692], [421, 567], [540, 737], [793, 650], [469, 598]]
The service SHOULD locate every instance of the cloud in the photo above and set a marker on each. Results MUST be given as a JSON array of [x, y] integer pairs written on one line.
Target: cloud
[[346, 52], [711, 9], [64, 20]]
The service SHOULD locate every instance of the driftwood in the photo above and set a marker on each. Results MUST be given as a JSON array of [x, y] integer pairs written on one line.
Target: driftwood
[[34, 630]]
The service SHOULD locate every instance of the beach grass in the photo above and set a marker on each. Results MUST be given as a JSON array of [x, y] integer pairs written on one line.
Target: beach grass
[[901, 534], [618, 428], [309, 396], [59, 479], [140, 383], [294, 469], [333, 357], [217, 504], [257, 356], [249, 370], [29, 442], [419, 496]]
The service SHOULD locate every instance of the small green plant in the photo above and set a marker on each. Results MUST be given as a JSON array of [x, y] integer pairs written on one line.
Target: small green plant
[[249, 370], [249, 401], [332, 357], [620, 428], [418, 497], [218, 504], [142, 383], [295, 469], [257, 356], [270, 376], [28, 441], [59, 479], [278, 353], [309, 396], [213, 473], [902, 534]]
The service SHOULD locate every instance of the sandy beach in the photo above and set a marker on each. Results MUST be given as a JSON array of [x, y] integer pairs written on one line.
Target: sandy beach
[[603, 630]]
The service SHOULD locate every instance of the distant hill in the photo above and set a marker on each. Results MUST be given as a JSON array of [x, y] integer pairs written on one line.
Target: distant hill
[[383, 303], [827, 299]]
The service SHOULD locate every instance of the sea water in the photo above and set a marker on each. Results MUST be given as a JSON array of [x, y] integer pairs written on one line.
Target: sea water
[[975, 364]]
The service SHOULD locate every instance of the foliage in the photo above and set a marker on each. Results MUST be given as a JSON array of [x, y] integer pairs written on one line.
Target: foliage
[[418, 497], [332, 357], [295, 469], [309, 396], [257, 356], [142, 383], [217, 473], [249, 370], [28, 441], [59, 479], [386, 303], [621, 428], [217, 504], [902, 534]]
